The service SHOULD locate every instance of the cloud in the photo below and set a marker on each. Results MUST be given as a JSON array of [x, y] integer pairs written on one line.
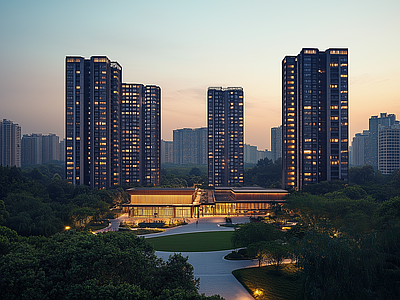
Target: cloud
[[366, 79]]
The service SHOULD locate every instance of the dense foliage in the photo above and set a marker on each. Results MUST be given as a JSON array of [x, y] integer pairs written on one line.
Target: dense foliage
[[254, 232], [347, 241], [266, 174], [182, 176], [36, 203], [74, 265]]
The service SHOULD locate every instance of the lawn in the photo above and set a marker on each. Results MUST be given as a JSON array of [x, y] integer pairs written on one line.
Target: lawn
[[97, 225], [266, 283], [193, 242]]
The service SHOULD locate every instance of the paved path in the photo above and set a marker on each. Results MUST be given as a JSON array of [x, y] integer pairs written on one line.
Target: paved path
[[214, 271], [113, 226], [203, 225]]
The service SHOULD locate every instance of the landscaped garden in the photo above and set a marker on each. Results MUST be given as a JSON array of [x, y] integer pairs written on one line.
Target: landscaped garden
[[193, 242], [269, 283]]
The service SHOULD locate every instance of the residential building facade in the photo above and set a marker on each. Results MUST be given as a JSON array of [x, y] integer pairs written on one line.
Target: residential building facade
[[100, 128], [31, 149], [50, 147], [276, 142], [371, 147], [359, 144], [141, 133], [250, 154], [389, 148], [190, 146], [10, 143], [225, 116], [167, 152], [315, 117]]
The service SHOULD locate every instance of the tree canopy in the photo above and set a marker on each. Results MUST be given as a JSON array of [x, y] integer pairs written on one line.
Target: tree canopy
[[74, 265], [250, 233], [347, 240], [266, 173], [33, 203]]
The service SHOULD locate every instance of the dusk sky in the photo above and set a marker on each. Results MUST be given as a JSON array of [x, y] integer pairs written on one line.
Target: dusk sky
[[187, 46]]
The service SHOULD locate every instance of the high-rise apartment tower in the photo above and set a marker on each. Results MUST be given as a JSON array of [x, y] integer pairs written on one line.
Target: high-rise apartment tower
[[276, 142], [389, 148], [10, 143], [106, 120], [190, 146], [315, 117], [141, 134], [225, 136], [371, 146], [358, 148]]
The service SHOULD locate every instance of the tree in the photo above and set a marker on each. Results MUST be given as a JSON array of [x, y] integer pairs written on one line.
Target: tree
[[323, 187], [178, 273], [338, 267], [8, 239], [362, 175], [82, 216], [113, 265], [258, 251], [334, 211], [266, 174], [250, 233], [389, 210], [276, 252], [29, 215], [195, 171], [3, 213]]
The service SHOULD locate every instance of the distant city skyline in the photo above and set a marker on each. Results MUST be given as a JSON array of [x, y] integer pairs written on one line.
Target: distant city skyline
[[185, 47]]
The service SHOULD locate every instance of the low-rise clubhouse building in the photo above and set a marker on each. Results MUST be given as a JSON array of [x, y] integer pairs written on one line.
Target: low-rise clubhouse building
[[167, 203]]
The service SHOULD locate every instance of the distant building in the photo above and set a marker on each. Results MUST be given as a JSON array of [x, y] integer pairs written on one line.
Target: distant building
[[359, 144], [167, 152], [225, 121], [10, 143], [61, 154], [37, 149], [250, 154], [276, 142], [388, 148], [31, 149], [190, 146], [371, 150], [315, 117], [264, 154], [50, 147]]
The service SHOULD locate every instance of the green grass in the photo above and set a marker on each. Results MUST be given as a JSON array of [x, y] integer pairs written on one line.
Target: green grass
[[278, 285], [97, 225], [193, 242]]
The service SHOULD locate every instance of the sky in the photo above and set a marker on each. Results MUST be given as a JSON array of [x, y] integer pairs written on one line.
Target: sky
[[187, 46]]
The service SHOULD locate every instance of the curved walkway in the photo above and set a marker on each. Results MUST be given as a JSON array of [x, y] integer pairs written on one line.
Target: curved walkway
[[214, 271]]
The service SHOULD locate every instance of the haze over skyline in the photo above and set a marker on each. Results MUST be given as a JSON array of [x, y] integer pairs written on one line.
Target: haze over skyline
[[186, 46]]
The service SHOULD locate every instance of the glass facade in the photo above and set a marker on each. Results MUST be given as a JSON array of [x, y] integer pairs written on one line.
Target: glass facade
[[186, 203]]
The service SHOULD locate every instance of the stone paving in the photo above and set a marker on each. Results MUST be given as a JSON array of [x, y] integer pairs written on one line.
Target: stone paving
[[214, 271]]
